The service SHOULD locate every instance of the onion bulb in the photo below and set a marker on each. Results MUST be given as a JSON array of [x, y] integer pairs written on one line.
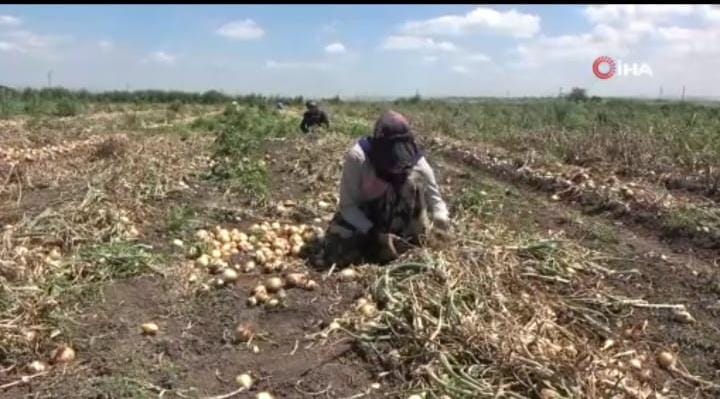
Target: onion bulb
[[348, 274], [264, 395], [229, 275], [55, 254], [368, 310], [178, 243], [272, 302], [274, 284], [224, 236], [37, 366], [547, 393], [150, 328], [244, 380], [249, 266], [666, 360], [262, 297], [296, 279], [203, 260], [252, 301], [259, 289], [244, 332], [311, 285], [62, 354]]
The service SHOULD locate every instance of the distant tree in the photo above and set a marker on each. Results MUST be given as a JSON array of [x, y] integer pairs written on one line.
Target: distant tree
[[577, 94]]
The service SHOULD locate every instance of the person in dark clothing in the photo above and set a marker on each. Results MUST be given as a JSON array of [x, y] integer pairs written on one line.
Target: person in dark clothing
[[314, 116]]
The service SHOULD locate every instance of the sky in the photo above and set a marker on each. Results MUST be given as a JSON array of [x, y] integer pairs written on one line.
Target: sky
[[364, 50]]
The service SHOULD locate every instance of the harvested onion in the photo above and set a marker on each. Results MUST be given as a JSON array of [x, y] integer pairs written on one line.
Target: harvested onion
[[37, 366], [203, 260], [249, 266], [296, 279], [229, 275], [244, 380], [348, 274], [62, 354], [666, 360], [150, 328], [244, 332], [274, 284], [368, 310], [259, 289]]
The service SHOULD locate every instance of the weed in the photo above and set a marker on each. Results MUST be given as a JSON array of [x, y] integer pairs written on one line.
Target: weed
[[117, 260], [67, 107], [179, 219]]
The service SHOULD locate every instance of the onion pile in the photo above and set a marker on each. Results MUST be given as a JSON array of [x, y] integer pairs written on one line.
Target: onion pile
[[272, 292], [17, 155], [268, 247]]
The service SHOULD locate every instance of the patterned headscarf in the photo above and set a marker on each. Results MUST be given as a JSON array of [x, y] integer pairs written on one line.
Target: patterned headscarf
[[393, 147]]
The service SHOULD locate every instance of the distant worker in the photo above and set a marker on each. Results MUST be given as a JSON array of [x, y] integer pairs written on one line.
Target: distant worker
[[386, 191], [314, 116]]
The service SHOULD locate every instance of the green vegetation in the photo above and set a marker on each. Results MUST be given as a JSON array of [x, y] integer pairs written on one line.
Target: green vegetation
[[240, 136]]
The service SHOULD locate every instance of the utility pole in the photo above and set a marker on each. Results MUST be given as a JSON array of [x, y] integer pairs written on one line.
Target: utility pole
[[683, 94], [560, 92], [49, 79]]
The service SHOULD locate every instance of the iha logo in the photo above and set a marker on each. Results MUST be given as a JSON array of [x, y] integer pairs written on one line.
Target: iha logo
[[605, 68]]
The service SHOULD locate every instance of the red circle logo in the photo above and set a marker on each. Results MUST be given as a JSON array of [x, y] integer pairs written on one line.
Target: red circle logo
[[604, 61]]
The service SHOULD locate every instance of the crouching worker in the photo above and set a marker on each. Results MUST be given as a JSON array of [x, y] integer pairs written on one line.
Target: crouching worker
[[386, 191], [314, 116]]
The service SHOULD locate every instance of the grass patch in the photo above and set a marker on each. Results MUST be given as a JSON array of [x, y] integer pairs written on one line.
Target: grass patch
[[118, 260], [237, 150], [179, 218], [117, 387]]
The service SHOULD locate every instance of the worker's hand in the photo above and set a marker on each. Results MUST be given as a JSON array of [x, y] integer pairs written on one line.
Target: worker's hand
[[441, 229], [387, 242], [441, 223]]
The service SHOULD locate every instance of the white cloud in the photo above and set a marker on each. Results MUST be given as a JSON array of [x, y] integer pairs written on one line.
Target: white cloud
[[26, 39], [416, 43], [626, 13], [160, 57], [686, 42], [22, 41], [9, 20], [459, 69], [335, 48], [510, 23], [105, 45], [6, 46], [625, 30], [241, 30], [296, 65], [478, 57]]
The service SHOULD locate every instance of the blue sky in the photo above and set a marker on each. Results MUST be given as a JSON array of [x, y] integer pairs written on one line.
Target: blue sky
[[319, 50]]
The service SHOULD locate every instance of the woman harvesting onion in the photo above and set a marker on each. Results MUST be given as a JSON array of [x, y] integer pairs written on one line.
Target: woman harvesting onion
[[387, 190]]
